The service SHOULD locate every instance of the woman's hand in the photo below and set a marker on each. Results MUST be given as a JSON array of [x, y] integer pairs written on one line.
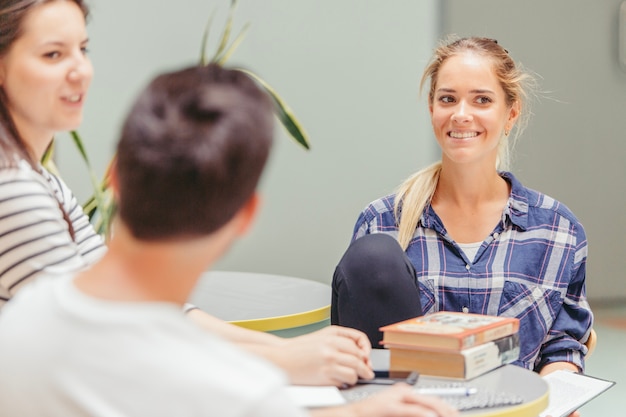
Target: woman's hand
[[551, 367], [400, 400]]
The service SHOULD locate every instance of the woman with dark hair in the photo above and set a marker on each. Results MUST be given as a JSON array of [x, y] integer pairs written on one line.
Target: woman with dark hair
[[44, 77]]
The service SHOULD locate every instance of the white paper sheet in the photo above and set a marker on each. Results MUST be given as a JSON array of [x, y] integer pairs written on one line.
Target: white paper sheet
[[311, 396], [569, 391]]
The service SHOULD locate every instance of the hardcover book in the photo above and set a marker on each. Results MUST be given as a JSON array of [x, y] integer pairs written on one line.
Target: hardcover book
[[465, 364], [448, 330]]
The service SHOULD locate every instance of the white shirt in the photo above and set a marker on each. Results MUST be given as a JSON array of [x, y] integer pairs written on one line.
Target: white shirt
[[66, 354]]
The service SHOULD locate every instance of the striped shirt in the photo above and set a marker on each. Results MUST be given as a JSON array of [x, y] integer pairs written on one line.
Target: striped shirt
[[532, 266], [34, 237]]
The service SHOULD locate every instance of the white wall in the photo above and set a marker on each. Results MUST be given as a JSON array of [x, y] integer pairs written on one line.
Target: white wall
[[348, 68], [575, 146]]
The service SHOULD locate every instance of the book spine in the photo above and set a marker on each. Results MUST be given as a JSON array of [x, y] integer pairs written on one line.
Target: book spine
[[484, 358], [449, 330], [488, 335], [466, 364]]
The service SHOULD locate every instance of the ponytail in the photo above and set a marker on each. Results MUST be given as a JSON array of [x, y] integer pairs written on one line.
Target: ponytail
[[412, 197]]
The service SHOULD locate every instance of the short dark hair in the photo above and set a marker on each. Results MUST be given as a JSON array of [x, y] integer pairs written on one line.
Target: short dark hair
[[191, 152]]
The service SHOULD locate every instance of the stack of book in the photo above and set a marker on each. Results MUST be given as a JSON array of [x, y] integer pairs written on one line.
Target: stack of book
[[452, 344]]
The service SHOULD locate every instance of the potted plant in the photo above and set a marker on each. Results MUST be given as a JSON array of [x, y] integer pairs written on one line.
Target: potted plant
[[100, 206]]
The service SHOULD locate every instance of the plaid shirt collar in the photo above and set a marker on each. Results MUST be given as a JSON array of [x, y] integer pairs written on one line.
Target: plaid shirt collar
[[515, 212]]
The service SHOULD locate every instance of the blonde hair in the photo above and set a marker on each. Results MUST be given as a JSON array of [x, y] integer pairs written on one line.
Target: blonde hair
[[416, 192]]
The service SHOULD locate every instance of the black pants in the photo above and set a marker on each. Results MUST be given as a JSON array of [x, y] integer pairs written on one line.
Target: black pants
[[374, 284]]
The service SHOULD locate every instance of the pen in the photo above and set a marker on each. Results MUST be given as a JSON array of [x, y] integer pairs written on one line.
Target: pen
[[448, 391]]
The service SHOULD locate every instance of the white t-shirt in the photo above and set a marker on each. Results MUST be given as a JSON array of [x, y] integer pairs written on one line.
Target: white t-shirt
[[66, 354], [470, 249]]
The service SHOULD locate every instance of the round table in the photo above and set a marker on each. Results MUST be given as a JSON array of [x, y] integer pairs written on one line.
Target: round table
[[265, 302], [508, 378]]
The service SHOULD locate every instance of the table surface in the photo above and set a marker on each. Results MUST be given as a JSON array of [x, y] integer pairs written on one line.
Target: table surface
[[263, 302], [509, 378]]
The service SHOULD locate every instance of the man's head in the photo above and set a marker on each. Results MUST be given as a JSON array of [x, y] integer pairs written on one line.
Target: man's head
[[191, 152]]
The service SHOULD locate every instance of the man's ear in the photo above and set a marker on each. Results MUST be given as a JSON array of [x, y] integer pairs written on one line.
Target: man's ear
[[247, 214]]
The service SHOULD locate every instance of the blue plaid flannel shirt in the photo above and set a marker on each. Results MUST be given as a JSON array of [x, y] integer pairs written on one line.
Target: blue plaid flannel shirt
[[532, 266]]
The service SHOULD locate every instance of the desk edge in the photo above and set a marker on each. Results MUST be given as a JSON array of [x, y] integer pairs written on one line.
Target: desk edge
[[286, 322]]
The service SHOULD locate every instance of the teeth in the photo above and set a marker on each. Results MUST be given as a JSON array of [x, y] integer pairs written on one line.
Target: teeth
[[74, 99], [463, 135]]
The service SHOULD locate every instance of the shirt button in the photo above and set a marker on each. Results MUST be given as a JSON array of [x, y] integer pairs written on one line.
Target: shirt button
[[465, 310], [468, 266], [496, 235]]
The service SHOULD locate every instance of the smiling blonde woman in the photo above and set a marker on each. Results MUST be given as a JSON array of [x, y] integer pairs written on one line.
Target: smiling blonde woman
[[464, 234]]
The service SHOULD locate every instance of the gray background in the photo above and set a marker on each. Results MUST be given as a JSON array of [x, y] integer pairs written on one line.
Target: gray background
[[350, 71]]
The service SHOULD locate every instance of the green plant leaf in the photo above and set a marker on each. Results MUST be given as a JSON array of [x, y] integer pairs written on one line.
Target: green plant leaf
[[90, 206], [48, 155], [221, 60], [100, 207], [81, 148], [47, 160], [224, 51], [205, 40], [101, 218], [283, 112], [99, 188], [226, 33]]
